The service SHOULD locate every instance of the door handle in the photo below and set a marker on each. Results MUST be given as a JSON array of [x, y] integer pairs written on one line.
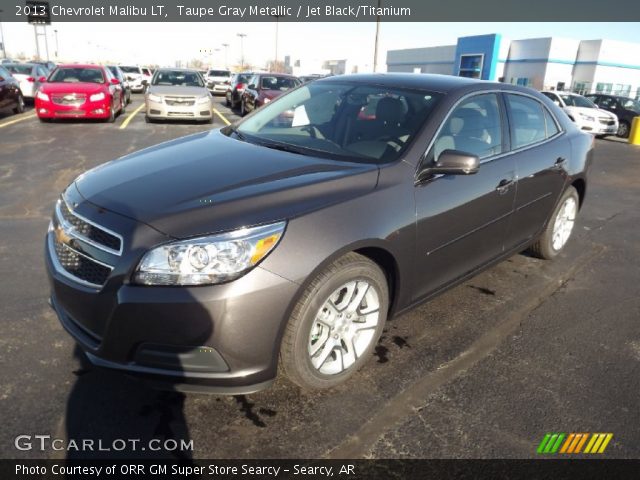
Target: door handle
[[560, 161], [504, 185]]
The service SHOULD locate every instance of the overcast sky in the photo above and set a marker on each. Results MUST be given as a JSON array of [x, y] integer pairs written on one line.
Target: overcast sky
[[164, 43]]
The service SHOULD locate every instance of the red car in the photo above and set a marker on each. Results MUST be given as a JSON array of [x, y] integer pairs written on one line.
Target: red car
[[264, 87], [80, 91]]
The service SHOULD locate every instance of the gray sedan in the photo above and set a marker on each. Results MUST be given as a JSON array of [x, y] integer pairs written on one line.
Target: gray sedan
[[178, 94]]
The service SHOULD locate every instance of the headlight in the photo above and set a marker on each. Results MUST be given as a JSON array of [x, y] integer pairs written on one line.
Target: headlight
[[208, 260], [588, 118], [96, 97], [42, 96], [154, 98], [204, 99]]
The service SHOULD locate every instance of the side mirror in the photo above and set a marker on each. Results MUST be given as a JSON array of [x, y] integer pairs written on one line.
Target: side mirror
[[42, 79], [452, 162], [455, 162], [252, 86], [115, 81]]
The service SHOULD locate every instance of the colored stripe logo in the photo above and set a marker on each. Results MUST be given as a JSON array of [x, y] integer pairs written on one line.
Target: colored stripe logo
[[567, 443]]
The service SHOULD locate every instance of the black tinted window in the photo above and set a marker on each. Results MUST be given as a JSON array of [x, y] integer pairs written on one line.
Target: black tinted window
[[527, 121]]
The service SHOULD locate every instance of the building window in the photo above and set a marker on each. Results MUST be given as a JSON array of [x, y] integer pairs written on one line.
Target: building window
[[523, 81], [471, 66], [581, 88], [604, 87], [638, 94], [624, 90]]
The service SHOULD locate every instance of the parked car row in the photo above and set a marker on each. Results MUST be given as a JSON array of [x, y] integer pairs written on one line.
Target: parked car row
[[598, 113]]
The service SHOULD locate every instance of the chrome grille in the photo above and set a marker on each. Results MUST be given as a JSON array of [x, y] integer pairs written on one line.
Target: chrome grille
[[72, 99], [606, 121], [180, 101], [81, 266], [69, 241], [85, 230]]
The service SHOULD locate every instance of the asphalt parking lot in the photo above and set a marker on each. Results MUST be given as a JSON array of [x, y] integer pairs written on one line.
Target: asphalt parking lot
[[483, 371]]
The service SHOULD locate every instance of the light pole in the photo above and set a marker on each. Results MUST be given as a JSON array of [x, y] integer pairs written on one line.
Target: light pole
[[4, 49], [55, 31], [226, 60], [242, 35]]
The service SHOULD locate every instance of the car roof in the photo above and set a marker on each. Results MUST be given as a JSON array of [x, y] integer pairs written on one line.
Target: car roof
[[434, 82]]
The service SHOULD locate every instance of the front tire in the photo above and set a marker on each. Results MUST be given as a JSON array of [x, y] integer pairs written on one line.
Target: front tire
[[336, 324], [623, 130], [559, 228]]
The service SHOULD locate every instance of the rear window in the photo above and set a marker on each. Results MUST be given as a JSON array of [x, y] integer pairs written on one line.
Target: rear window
[[20, 69], [126, 69]]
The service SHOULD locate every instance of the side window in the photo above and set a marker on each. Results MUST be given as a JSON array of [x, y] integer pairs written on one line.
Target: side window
[[554, 98], [552, 126], [474, 126], [253, 81], [4, 73], [527, 121], [607, 102]]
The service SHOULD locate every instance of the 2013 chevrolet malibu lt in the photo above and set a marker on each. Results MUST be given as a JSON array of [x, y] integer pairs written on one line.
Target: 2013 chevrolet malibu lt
[[284, 242]]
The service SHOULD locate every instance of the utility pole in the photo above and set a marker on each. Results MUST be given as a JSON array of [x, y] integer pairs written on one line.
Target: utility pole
[[375, 49], [242, 35], [4, 49], [275, 63]]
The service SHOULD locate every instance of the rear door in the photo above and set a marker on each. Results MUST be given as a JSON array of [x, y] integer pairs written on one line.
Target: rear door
[[462, 219], [5, 89], [541, 151]]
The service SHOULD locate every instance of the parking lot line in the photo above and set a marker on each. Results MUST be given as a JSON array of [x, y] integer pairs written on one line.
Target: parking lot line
[[131, 115], [16, 120], [222, 117]]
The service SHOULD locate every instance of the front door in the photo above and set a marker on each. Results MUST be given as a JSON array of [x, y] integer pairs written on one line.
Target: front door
[[462, 219]]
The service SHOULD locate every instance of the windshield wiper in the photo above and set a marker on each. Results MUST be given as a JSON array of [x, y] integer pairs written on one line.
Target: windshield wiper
[[286, 148], [237, 133]]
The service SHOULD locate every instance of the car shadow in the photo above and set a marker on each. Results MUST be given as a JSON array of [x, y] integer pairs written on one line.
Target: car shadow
[[125, 417]]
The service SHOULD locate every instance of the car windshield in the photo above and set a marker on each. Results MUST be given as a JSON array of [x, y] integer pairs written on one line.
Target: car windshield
[[341, 120], [176, 78], [20, 69], [281, 84], [115, 71], [631, 104], [219, 73], [130, 69], [76, 75], [577, 101]]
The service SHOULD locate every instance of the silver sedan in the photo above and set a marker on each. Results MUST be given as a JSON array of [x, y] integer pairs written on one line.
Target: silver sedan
[[178, 94]]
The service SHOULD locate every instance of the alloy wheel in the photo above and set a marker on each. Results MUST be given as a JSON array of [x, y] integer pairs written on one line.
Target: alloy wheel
[[344, 327], [564, 221]]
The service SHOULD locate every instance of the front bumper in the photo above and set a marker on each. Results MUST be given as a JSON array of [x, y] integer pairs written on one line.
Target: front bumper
[[220, 339], [599, 128], [96, 110], [197, 111]]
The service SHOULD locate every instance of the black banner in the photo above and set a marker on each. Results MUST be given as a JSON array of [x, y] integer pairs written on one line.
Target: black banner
[[319, 11], [319, 469]]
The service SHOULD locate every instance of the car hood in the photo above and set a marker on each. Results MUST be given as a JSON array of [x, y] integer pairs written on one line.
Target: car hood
[[176, 90], [76, 87], [594, 112], [208, 182]]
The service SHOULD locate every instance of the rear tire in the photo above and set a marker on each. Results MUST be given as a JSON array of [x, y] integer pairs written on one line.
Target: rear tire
[[20, 107], [112, 115], [243, 109], [227, 101], [559, 227], [336, 324]]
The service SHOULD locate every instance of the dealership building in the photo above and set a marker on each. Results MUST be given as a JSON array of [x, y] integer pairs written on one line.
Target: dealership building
[[583, 66]]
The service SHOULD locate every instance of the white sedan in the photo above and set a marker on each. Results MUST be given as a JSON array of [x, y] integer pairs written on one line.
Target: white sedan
[[585, 113]]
